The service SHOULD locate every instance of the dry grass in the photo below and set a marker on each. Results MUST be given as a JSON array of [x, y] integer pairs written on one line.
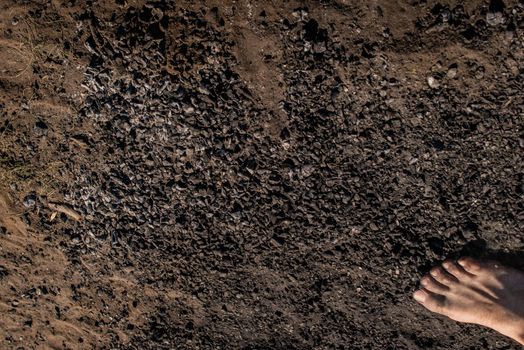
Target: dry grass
[[43, 179], [18, 55]]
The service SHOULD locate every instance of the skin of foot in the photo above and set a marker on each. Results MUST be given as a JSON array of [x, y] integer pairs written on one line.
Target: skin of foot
[[471, 291]]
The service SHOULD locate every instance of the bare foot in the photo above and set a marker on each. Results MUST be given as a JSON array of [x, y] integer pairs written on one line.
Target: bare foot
[[483, 293]]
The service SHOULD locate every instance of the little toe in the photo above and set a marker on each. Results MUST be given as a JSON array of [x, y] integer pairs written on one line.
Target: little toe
[[477, 268], [432, 301], [456, 270], [432, 285], [442, 276]]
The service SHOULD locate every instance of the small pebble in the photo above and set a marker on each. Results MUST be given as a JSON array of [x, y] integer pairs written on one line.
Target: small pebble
[[433, 83], [29, 201], [40, 128], [494, 18], [479, 74], [189, 110], [452, 73], [445, 15]]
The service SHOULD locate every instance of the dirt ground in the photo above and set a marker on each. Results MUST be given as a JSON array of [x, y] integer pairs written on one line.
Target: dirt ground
[[253, 174]]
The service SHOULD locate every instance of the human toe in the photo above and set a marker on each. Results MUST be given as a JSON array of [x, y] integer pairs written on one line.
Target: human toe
[[432, 301], [470, 265], [432, 285], [456, 270], [442, 276]]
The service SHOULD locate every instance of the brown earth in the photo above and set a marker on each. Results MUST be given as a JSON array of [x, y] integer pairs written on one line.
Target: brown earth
[[253, 174]]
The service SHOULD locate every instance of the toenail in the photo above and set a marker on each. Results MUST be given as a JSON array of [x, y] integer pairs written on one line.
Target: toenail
[[435, 272], [446, 265], [419, 296], [424, 281]]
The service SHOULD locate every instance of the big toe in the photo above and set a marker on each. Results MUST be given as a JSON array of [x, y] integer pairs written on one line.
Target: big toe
[[432, 301]]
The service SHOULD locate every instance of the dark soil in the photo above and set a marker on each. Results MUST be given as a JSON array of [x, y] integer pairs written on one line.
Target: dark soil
[[253, 174]]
